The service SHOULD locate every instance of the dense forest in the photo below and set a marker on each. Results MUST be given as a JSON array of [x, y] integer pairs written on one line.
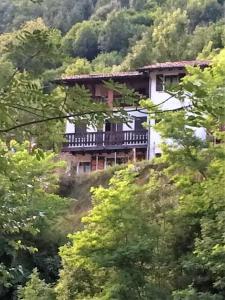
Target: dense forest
[[123, 34], [154, 230]]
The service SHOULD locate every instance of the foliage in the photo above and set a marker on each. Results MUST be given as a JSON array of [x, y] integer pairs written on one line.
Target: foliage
[[78, 67], [36, 289], [106, 61], [112, 38], [28, 102], [164, 239], [197, 169], [82, 40], [143, 30], [158, 240], [112, 257], [25, 208]]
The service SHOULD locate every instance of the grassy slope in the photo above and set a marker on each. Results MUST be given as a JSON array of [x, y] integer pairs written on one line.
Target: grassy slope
[[78, 188]]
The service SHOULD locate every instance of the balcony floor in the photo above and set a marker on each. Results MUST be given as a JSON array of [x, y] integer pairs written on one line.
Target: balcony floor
[[102, 148]]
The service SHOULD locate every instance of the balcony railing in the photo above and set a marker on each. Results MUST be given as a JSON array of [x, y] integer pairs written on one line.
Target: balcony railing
[[105, 139]]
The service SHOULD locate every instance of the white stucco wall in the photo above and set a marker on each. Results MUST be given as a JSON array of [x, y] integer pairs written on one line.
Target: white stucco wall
[[158, 97], [70, 128]]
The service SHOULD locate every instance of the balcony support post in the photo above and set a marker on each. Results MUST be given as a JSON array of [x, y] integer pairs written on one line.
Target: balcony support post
[[134, 155], [78, 168], [96, 162], [105, 162]]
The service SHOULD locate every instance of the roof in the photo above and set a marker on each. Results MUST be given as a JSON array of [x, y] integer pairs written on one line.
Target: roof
[[96, 77], [176, 64], [91, 77]]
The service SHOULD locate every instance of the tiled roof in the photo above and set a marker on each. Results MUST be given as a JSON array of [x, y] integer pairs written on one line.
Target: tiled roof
[[131, 74], [119, 75], [176, 64]]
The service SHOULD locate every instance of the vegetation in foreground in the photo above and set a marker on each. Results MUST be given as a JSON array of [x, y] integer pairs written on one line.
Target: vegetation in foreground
[[162, 238]]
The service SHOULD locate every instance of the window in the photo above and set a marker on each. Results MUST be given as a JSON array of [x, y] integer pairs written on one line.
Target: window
[[159, 82], [166, 81], [110, 162], [85, 167], [113, 127], [171, 80]]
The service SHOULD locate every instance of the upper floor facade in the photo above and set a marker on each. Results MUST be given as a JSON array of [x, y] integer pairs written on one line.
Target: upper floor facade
[[149, 82]]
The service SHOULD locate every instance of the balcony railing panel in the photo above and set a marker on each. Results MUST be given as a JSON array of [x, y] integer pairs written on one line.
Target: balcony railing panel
[[106, 139]]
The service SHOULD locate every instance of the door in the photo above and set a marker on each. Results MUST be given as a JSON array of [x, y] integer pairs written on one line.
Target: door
[[113, 133], [81, 135], [138, 123], [140, 133]]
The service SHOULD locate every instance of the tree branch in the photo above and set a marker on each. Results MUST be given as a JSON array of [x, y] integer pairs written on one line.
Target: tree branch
[[48, 119]]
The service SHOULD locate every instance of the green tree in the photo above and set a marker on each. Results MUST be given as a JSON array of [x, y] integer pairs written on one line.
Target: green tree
[[196, 167], [35, 48], [36, 289], [27, 200], [82, 40], [116, 32], [112, 257], [170, 35], [78, 67], [141, 53], [201, 11], [106, 61]]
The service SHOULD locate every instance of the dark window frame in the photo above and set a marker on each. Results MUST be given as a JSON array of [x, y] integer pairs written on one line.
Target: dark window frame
[[163, 80]]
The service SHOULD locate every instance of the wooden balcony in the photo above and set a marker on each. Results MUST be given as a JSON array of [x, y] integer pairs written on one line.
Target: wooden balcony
[[105, 140]]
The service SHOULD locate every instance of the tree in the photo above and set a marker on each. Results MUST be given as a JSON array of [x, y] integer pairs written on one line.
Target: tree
[[28, 101], [36, 289], [35, 48], [168, 27], [112, 257], [141, 53], [106, 61], [116, 32], [78, 67], [196, 167], [25, 208], [204, 37], [82, 40], [201, 12]]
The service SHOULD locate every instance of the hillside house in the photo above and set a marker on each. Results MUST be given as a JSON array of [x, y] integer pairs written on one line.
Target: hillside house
[[92, 149]]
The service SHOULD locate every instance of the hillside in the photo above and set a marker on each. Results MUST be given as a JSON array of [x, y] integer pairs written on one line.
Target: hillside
[[150, 231], [123, 34], [79, 188]]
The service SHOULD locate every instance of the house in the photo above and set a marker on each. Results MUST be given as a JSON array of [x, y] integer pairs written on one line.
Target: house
[[95, 149]]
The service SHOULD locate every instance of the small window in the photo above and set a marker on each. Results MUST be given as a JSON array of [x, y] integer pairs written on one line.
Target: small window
[[164, 82], [171, 80], [85, 167], [159, 82]]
